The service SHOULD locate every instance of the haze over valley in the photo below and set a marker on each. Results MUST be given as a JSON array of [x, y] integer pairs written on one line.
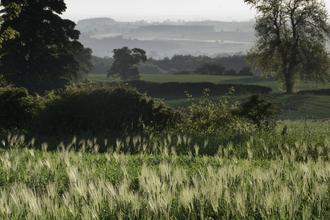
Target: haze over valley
[[167, 38], [165, 28]]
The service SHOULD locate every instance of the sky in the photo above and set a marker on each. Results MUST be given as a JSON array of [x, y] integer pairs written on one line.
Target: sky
[[159, 10]]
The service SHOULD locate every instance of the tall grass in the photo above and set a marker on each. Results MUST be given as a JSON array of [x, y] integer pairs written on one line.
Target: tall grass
[[253, 180]]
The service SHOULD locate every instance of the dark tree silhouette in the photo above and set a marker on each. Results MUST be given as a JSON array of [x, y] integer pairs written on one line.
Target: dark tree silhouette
[[291, 38], [126, 63], [43, 53]]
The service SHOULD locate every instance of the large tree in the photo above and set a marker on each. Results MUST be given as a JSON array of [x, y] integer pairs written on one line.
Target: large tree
[[43, 53], [291, 38], [126, 63]]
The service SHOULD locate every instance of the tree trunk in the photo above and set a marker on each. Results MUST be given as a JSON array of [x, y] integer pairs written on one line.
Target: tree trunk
[[289, 82], [288, 87]]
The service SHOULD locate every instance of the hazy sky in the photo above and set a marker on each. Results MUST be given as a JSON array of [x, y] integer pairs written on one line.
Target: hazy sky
[[159, 10]]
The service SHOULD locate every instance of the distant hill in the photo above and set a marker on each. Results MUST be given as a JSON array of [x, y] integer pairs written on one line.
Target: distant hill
[[174, 28], [165, 39], [95, 21]]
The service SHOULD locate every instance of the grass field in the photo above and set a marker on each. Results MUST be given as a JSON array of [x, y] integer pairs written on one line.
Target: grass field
[[295, 107], [250, 80], [266, 177]]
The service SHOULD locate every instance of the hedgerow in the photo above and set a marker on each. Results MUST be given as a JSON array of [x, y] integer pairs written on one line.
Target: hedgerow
[[101, 108]]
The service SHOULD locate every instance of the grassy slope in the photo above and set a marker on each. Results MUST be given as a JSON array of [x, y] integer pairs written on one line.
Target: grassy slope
[[295, 106]]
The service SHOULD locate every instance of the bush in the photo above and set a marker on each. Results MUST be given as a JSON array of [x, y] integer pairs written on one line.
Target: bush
[[245, 71], [17, 108], [260, 111], [100, 108], [210, 117], [210, 69], [231, 119]]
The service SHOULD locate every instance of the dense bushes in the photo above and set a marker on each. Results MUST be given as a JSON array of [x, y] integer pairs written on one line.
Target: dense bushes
[[210, 69], [260, 112], [104, 110], [17, 108], [195, 88], [100, 109], [256, 113], [210, 117]]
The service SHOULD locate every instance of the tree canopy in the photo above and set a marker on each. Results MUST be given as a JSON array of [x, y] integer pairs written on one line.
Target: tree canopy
[[43, 52], [291, 38], [126, 63], [211, 69]]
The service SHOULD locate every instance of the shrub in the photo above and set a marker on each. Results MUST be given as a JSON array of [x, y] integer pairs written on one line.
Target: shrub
[[245, 71], [210, 69], [231, 120], [208, 116], [17, 108], [259, 111], [100, 108]]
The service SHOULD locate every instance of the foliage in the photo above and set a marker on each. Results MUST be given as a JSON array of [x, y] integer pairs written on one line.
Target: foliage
[[231, 119], [190, 62], [42, 54], [101, 65], [99, 108], [126, 62], [174, 64], [210, 117], [211, 69], [246, 71], [18, 108], [84, 57], [291, 38], [259, 111], [8, 32], [3, 81]]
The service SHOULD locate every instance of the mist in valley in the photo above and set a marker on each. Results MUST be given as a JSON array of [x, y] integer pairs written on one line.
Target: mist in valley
[[168, 38]]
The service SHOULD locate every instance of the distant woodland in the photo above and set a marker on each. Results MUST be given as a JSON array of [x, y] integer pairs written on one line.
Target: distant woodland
[[183, 64]]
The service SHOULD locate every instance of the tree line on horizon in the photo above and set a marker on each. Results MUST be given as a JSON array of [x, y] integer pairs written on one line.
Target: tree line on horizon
[[183, 64]]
